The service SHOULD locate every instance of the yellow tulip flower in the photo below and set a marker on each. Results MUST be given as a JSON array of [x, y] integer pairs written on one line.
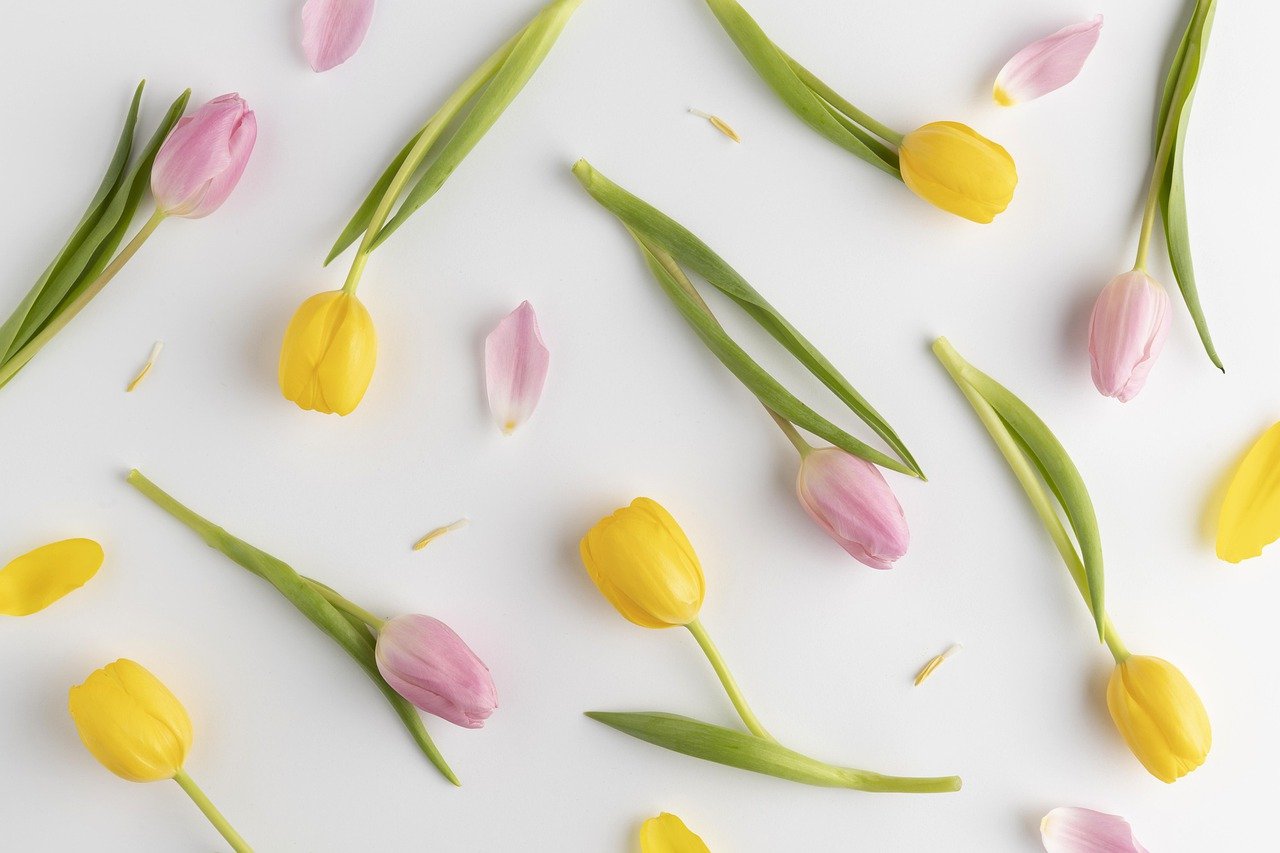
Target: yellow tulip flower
[[644, 564], [38, 578], [329, 353], [667, 833], [1160, 716], [1250, 518], [952, 166]]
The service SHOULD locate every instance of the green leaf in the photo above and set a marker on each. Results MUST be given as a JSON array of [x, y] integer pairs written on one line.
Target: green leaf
[[355, 641], [364, 215], [673, 238], [748, 752], [534, 44]]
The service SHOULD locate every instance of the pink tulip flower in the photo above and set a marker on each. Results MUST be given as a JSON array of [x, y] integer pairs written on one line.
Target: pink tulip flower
[[515, 361], [202, 160], [332, 30], [1074, 830], [849, 499], [427, 663], [1047, 64], [1126, 333]]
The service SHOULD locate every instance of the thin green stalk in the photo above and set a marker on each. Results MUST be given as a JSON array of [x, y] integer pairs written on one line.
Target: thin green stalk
[[831, 96], [19, 360], [346, 605], [1159, 172], [215, 817], [1041, 501], [726, 678], [802, 447]]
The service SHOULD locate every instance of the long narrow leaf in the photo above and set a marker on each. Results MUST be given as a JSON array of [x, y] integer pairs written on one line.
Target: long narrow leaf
[[364, 214]]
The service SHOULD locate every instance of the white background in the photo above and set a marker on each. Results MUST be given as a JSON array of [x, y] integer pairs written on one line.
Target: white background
[[292, 741]]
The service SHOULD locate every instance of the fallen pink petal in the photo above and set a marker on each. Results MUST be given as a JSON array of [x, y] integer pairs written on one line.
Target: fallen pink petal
[[1047, 64], [333, 30], [1076, 830], [516, 362]]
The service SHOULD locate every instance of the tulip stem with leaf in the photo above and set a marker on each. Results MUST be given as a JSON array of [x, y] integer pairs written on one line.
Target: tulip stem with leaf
[[946, 163], [1152, 704]]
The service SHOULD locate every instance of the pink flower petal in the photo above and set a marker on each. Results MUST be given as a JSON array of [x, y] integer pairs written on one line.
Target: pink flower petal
[[1047, 64], [332, 30], [1075, 830], [515, 361]]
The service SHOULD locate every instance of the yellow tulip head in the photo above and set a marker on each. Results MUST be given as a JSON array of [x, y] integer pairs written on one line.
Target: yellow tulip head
[[952, 166], [1160, 716], [329, 352], [667, 833], [643, 563], [131, 723]]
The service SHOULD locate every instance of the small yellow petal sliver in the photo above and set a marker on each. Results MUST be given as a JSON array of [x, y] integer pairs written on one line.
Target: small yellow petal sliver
[[1250, 518], [667, 833], [37, 579]]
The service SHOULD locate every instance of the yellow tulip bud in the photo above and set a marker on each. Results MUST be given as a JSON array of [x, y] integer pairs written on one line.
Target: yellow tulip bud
[[643, 563], [1160, 716], [667, 833], [131, 722], [329, 352], [952, 166]]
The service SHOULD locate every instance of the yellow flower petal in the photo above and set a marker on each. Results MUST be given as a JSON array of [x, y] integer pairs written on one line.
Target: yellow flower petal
[[37, 579], [667, 833], [1250, 518]]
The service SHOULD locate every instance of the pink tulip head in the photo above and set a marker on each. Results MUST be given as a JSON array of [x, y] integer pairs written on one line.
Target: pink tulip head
[[332, 30], [850, 500], [1076, 830], [428, 664], [1126, 333], [1047, 64], [202, 160]]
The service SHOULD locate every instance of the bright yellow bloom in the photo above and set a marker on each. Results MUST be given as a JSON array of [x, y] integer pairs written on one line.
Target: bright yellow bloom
[[329, 353], [39, 578], [131, 722], [952, 166], [1250, 518], [667, 833], [643, 563], [1160, 716]]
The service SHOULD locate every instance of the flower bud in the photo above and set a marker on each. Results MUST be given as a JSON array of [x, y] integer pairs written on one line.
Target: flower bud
[[427, 663], [1160, 716], [202, 160], [329, 353], [1076, 830], [131, 722], [952, 166], [643, 563], [849, 499], [1126, 333]]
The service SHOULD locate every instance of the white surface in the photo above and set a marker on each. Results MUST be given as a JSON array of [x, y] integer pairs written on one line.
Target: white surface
[[293, 743]]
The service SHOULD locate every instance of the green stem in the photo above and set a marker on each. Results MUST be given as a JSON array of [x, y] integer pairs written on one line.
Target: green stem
[[1028, 477], [726, 678], [215, 817], [346, 605], [865, 780], [832, 97], [24, 355], [1159, 170], [430, 133], [803, 447]]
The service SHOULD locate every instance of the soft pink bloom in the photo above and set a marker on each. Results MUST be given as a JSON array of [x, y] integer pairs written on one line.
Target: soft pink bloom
[[849, 499], [515, 366], [1073, 830], [332, 30], [1126, 333], [202, 160], [1047, 64], [426, 663]]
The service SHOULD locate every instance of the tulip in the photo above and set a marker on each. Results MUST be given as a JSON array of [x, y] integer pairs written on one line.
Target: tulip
[[1126, 333], [515, 361], [1075, 830], [428, 664], [1159, 715], [202, 160], [1047, 64], [667, 833], [138, 730], [30, 583], [332, 30], [955, 168], [1250, 518], [329, 352], [850, 500]]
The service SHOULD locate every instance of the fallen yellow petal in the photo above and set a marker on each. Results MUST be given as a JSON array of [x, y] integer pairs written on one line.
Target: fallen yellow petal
[[667, 833], [37, 579], [928, 668], [440, 531], [1250, 518]]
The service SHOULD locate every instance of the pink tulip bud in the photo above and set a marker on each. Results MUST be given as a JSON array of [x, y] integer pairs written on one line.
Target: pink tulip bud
[[202, 160], [1130, 322], [849, 499], [427, 663], [332, 30]]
